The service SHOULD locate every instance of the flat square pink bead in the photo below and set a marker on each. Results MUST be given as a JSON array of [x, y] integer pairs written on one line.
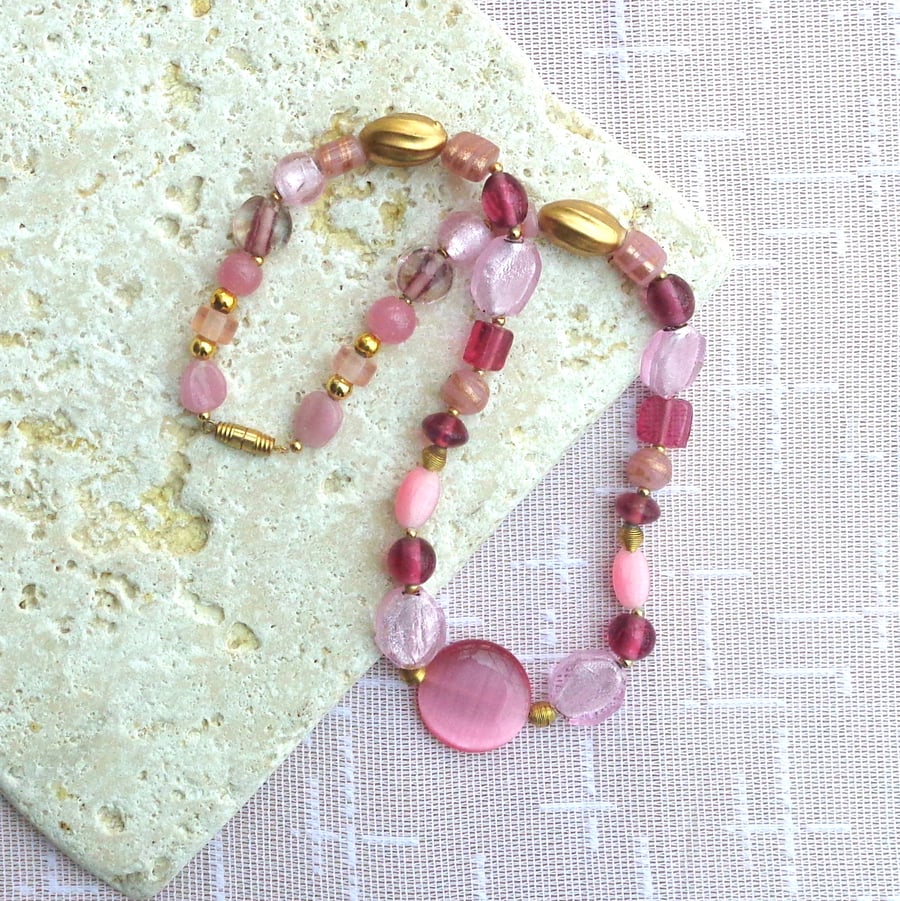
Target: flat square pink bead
[[665, 421], [214, 325]]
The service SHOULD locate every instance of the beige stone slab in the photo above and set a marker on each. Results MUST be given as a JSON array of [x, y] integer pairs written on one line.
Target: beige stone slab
[[174, 616]]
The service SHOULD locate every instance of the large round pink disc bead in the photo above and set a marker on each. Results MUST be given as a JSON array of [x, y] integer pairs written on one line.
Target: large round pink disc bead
[[203, 387], [298, 179], [476, 696], [672, 359], [417, 497], [463, 236], [587, 686], [239, 273], [631, 578], [409, 628], [630, 636], [318, 419], [505, 276], [391, 320]]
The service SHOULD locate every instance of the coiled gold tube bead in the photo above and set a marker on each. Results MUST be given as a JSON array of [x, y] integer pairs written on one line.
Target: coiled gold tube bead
[[244, 438]]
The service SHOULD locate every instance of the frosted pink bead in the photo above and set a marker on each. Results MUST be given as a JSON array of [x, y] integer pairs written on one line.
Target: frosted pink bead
[[631, 637], [392, 320], [587, 686], [649, 468], [340, 156], [505, 276], [239, 273], [214, 325], [355, 368], [469, 156], [465, 390], [639, 258], [672, 360], [298, 179], [631, 578], [463, 236], [409, 628], [318, 419], [203, 387], [475, 697], [417, 497]]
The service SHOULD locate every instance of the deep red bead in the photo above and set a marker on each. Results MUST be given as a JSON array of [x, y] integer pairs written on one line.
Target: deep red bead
[[670, 301], [504, 200], [411, 561], [637, 509], [665, 421], [445, 430], [488, 346], [630, 636]]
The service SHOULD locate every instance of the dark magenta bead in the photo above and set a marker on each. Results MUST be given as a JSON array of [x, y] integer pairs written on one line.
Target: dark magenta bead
[[630, 636], [665, 421], [488, 346], [637, 509], [445, 430], [670, 301], [411, 561], [504, 200]]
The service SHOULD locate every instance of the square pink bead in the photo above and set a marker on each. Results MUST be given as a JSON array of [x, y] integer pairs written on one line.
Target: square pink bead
[[214, 325], [355, 368], [488, 346], [665, 421]]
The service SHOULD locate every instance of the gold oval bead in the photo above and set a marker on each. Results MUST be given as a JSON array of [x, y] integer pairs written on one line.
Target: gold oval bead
[[202, 349], [403, 139], [434, 458], [631, 537], [338, 387], [542, 713], [244, 438], [223, 301], [581, 227], [413, 676], [367, 344]]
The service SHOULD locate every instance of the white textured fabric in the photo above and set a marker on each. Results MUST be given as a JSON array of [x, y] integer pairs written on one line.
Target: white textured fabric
[[757, 756]]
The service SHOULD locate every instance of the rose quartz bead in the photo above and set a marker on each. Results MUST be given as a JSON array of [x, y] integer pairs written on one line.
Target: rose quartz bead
[[669, 300], [354, 367], [505, 276], [339, 156], [465, 390], [637, 509], [391, 320], [631, 578], [665, 421], [424, 274], [504, 200], [469, 155], [298, 179], [417, 497], [672, 360], [261, 225], [475, 697], [411, 561], [463, 236], [409, 628], [587, 687], [649, 468], [318, 419], [639, 257], [203, 387], [445, 430], [631, 637], [214, 325], [239, 273], [488, 346]]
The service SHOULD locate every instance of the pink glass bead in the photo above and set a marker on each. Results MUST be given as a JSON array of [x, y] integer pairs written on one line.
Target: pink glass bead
[[465, 390], [391, 320], [665, 421], [587, 687], [488, 346], [530, 227], [354, 367], [476, 696], [639, 258], [669, 300], [649, 468], [672, 360], [417, 497], [637, 509], [505, 276], [409, 628], [339, 156], [631, 637], [239, 273], [318, 419], [424, 274], [214, 325], [261, 225], [463, 236], [631, 578], [203, 387], [411, 561], [445, 430], [504, 200], [469, 156], [298, 179]]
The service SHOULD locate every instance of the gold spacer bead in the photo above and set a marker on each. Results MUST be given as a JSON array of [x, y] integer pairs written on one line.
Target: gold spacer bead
[[201, 348], [406, 300], [638, 611], [645, 492], [434, 458], [296, 446], [625, 663], [496, 167], [411, 533], [412, 589], [499, 320], [660, 448], [203, 417], [480, 372], [259, 260], [514, 234], [542, 713], [366, 344], [276, 196], [413, 676], [338, 387], [453, 411], [631, 537], [223, 301]]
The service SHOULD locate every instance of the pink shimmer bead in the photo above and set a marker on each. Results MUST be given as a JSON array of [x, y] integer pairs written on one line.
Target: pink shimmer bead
[[469, 155], [339, 156], [261, 225], [665, 421], [417, 497], [505, 276], [239, 273], [409, 628], [354, 367], [504, 200], [445, 430], [669, 300], [214, 325], [463, 236], [391, 320], [649, 468], [631, 578], [424, 274], [631, 637], [476, 696], [672, 360], [411, 561], [203, 387], [298, 179], [465, 390], [488, 346], [639, 257], [588, 686], [317, 419], [637, 509]]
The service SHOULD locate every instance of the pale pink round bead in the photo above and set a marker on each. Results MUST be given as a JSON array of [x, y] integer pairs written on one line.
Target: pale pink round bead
[[317, 419], [391, 320], [298, 179], [462, 236], [505, 276], [465, 390], [340, 156], [649, 468], [672, 360], [469, 156], [203, 387], [239, 273], [409, 628], [587, 686], [639, 258], [417, 497], [355, 368], [631, 578], [214, 325]]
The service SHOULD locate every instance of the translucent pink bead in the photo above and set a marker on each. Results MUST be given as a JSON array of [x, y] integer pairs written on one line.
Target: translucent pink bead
[[411, 561], [445, 430], [298, 179], [239, 273], [214, 325], [354, 367], [340, 156], [409, 628], [631, 637], [505, 276], [318, 419], [504, 200], [665, 421], [203, 387], [631, 578], [391, 320], [587, 687], [424, 274], [649, 468], [417, 497], [670, 301], [639, 257], [465, 390], [469, 155], [637, 509], [488, 346], [463, 236], [672, 360], [475, 697], [261, 225]]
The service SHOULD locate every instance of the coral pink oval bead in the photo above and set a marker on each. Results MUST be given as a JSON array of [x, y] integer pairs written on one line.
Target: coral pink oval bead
[[469, 156], [318, 419], [214, 325], [587, 687], [488, 346], [672, 360], [463, 236], [409, 628], [476, 696], [505, 276], [465, 390], [411, 561], [298, 179], [424, 274], [339, 156], [631, 637], [639, 257], [239, 273], [445, 430], [417, 497], [631, 578], [261, 225], [354, 367], [504, 200], [665, 421], [203, 387], [649, 468], [391, 320], [637, 509], [669, 300]]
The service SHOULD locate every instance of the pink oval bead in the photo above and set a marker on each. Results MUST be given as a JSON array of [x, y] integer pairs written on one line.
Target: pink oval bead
[[261, 225], [649, 468], [469, 156], [505, 276], [339, 156], [587, 686], [417, 497], [665, 421], [631, 637], [411, 561], [424, 274], [391, 320], [504, 200], [239, 273], [214, 325], [670, 301], [463, 236], [298, 179], [465, 390], [203, 387], [318, 419], [488, 346], [631, 578], [639, 257], [409, 628], [354, 367], [476, 696], [672, 360]]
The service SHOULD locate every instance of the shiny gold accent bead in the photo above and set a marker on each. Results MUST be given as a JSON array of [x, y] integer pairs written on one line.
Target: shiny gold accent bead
[[412, 589], [514, 234], [367, 345], [413, 676], [581, 227], [295, 446], [411, 533], [480, 372], [244, 438], [496, 167], [203, 417], [453, 411], [542, 713], [202, 349], [660, 448], [631, 537], [638, 611], [403, 139], [259, 260], [223, 301], [434, 458], [276, 196], [407, 300], [625, 663], [338, 387], [499, 320], [645, 492]]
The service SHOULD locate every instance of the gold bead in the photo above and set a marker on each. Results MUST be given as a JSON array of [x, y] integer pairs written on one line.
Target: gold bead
[[644, 492], [638, 611], [203, 417], [245, 438], [434, 458], [223, 301], [659, 447], [631, 537], [625, 663], [201, 348], [338, 387], [296, 446], [259, 260], [542, 713], [413, 676], [403, 139], [276, 196], [411, 533], [412, 589], [514, 234], [367, 344], [453, 411], [581, 227], [496, 167], [407, 300], [499, 320]]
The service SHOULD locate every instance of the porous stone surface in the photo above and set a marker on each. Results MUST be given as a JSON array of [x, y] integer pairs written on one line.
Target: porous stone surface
[[175, 616]]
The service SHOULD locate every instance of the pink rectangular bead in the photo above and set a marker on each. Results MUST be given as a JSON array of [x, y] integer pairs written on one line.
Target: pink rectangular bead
[[665, 421], [488, 346], [469, 156], [340, 156], [214, 325]]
